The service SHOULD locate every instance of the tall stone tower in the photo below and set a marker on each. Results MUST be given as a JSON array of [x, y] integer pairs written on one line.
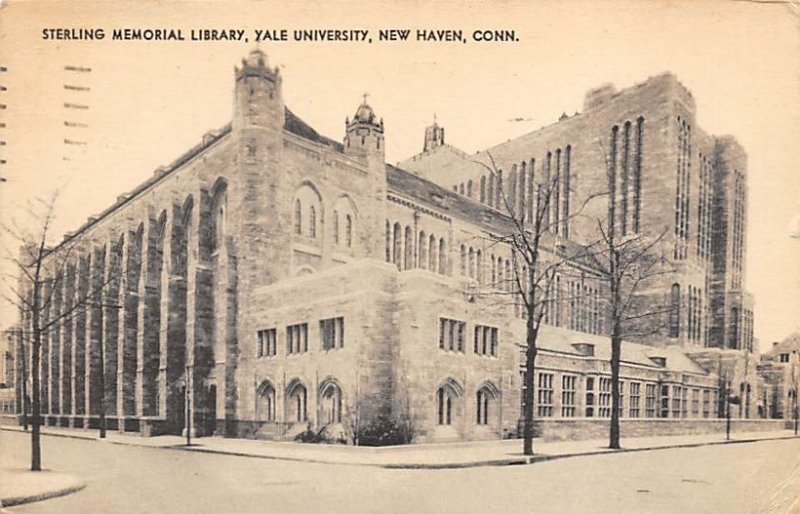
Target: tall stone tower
[[364, 135], [434, 136]]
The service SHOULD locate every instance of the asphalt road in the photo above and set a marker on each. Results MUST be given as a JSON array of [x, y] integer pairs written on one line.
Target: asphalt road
[[729, 479]]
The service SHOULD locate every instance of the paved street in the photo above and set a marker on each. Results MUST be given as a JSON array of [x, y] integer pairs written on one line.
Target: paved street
[[731, 479]]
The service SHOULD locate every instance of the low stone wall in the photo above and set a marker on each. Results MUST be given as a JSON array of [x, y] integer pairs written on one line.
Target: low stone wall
[[593, 428]]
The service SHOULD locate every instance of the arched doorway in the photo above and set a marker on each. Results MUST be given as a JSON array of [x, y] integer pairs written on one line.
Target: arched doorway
[[265, 402], [330, 402], [296, 402]]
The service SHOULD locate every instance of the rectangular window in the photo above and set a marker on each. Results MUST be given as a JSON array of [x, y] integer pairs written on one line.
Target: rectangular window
[[451, 334], [634, 411], [664, 401], [784, 357], [676, 401], [267, 343], [621, 398], [297, 338], [568, 391], [485, 341], [544, 407], [695, 403], [650, 400], [589, 397], [331, 333], [604, 403], [706, 403], [684, 402]]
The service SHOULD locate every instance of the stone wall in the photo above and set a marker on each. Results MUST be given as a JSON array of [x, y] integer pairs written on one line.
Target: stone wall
[[582, 429]]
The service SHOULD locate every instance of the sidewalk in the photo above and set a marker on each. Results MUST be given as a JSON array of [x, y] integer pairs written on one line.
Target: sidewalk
[[18, 486], [429, 456]]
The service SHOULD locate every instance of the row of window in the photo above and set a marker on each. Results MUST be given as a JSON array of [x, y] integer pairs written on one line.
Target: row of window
[[598, 399], [331, 333], [430, 251], [518, 196], [307, 217], [625, 180], [453, 332]]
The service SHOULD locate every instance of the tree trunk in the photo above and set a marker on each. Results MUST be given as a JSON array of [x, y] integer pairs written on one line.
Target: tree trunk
[[36, 457], [530, 362], [616, 350]]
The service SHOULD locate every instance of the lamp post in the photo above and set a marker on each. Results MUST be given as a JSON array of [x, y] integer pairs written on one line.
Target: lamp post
[[795, 357]]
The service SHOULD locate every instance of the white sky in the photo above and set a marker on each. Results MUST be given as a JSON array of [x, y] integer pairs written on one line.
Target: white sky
[[149, 102]]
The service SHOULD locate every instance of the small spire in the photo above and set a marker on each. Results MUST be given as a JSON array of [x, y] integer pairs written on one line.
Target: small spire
[[365, 98]]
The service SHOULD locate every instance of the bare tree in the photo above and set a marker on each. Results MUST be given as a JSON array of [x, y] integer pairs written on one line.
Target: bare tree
[[629, 257], [540, 253], [42, 272]]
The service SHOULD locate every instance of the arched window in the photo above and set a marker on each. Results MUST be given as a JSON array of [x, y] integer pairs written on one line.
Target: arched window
[[432, 253], [335, 227], [298, 217], [675, 311], [312, 222], [469, 188], [499, 203], [483, 189], [398, 246], [422, 258], [220, 226], [479, 266], [471, 269], [388, 242], [463, 260], [348, 230], [409, 242], [442, 257], [491, 190]]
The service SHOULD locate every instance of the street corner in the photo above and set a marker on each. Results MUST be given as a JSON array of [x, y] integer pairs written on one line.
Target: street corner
[[22, 486]]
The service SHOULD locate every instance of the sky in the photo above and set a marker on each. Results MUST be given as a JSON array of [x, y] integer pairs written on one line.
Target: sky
[[151, 101]]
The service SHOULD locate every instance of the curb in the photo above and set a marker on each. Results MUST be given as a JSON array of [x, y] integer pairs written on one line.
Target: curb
[[509, 461], [46, 495]]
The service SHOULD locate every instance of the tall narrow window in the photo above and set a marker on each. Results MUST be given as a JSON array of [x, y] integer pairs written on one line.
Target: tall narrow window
[[432, 253], [348, 230], [612, 180], [312, 222], [483, 189], [442, 257], [298, 217], [388, 242], [422, 257], [555, 198], [398, 246], [409, 246], [675, 311], [335, 228], [566, 191], [637, 176]]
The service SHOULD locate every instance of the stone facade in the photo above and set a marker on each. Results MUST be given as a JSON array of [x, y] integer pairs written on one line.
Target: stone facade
[[272, 278], [780, 369]]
